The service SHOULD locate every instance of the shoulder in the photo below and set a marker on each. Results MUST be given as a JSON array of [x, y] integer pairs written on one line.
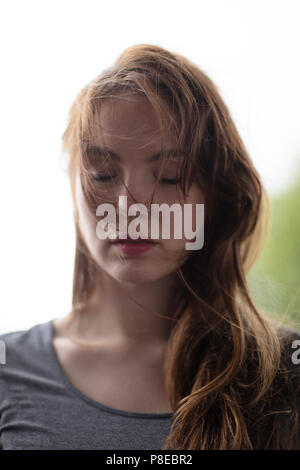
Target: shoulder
[[20, 338], [290, 346], [285, 331], [289, 371], [23, 349], [278, 410]]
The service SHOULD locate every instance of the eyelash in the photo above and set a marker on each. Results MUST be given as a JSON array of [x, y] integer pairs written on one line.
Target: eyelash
[[103, 178], [169, 181], [109, 178]]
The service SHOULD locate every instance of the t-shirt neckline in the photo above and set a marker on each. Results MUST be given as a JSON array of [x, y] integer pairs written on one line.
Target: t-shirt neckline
[[86, 398]]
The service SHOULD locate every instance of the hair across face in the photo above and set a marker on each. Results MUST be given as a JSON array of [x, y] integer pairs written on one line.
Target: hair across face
[[122, 157]]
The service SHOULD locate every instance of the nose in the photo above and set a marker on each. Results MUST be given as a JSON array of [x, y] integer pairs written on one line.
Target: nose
[[136, 188]]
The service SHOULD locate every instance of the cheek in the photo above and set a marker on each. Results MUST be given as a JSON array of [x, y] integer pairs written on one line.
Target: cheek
[[191, 213], [87, 221], [195, 197]]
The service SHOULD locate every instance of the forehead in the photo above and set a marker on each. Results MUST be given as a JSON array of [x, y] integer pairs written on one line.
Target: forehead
[[128, 122]]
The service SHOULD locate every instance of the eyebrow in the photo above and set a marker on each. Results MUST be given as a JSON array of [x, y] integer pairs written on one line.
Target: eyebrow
[[104, 151]]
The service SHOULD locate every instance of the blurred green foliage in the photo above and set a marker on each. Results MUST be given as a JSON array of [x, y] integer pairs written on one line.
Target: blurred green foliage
[[274, 280]]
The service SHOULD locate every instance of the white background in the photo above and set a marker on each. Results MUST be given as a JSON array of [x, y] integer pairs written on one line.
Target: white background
[[51, 49]]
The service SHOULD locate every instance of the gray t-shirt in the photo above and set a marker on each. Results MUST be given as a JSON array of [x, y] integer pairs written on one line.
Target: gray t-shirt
[[41, 409]]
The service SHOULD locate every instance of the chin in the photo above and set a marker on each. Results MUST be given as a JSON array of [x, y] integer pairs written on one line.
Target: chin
[[139, 273]]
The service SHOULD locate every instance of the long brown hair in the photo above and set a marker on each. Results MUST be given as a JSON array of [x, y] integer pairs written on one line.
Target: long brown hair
[[226, 368]]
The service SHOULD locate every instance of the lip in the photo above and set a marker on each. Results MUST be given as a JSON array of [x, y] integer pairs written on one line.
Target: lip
[[128, 239], [132, 247]]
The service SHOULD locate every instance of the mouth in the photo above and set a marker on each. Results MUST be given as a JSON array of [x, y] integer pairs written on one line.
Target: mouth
[[131, 247]]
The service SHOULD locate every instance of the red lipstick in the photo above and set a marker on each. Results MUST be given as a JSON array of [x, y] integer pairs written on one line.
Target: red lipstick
[[132, 247]]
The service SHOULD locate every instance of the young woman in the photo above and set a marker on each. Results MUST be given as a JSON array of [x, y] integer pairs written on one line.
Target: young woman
[[163, 346]]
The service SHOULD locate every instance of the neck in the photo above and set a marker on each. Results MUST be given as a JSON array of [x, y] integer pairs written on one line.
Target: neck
[[127, 312]]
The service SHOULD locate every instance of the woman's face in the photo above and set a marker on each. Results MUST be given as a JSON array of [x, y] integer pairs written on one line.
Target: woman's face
[[129, 130]]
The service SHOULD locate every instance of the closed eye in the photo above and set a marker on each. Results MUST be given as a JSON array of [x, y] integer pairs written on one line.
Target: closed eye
[[104, 178], [166, 180], [169, 180]]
